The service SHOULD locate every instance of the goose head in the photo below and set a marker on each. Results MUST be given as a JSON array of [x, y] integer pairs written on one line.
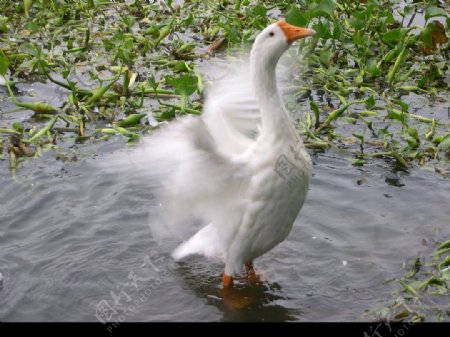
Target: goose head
[[273, 41]]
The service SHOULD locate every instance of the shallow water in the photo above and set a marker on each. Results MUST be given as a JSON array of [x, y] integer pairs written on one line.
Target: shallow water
[[73, 239]]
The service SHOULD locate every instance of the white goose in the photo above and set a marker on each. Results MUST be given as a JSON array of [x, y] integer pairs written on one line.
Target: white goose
[[241, 167]]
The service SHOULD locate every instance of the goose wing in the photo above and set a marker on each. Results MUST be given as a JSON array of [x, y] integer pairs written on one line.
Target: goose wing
[[231, 111]]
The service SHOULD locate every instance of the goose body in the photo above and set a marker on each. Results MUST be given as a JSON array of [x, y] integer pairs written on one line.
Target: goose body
[[241, 167]]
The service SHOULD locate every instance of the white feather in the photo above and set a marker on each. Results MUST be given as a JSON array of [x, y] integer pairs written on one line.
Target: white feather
[[220, 171]]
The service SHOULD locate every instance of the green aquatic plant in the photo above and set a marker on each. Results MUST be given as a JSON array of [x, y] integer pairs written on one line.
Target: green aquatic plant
[[368, 60], [423, 292]]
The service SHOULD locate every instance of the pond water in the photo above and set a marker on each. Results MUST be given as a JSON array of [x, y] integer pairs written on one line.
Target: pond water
[[73, 239], [76, 244]]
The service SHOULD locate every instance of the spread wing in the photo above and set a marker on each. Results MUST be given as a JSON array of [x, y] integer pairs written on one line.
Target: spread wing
[[231, 111], [193, 165]]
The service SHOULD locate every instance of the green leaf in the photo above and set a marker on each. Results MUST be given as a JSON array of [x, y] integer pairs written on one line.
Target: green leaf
[[372, 68], [322, 30], [434, 11], [392, 36], [385, 18], [131, 120], [358, 21], [258, 10], [445, 244], [369, 102], [164, 32], [32, 27], [315, 108], [324, 8], [4, 63], [412, 143], [391, 54], [231, 31], [152, 82], [30, 49], [359, 79], [189, 20], [413, 133], [409, 289], [17, 126], [396, 115], [404, 106], [367, 13], [398, 62], [358, 38], [185, 85], [445, 144], [152, 30], [325, 56], [444, 264], [3, 25], [408, 10], [337, 31], [436, 281], [436, 140], [297, 18]]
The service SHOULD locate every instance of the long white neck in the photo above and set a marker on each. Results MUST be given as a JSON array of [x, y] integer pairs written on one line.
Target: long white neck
[[274, 118]]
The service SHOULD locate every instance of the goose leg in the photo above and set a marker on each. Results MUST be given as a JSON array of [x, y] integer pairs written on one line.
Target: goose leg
[[234, 298], [251, 274], [249, 267], [227, 281]]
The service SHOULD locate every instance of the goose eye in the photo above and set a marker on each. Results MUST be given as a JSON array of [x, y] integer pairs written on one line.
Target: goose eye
[[271, 34]]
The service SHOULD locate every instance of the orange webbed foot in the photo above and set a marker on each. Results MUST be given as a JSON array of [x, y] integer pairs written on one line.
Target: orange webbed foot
[[227, 281], [239, 298]]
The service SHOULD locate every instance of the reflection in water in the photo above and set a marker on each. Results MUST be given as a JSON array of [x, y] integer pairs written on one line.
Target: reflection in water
[[245, 301]]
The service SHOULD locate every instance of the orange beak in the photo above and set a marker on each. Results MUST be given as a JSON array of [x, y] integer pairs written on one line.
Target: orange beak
[[293, 32]]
